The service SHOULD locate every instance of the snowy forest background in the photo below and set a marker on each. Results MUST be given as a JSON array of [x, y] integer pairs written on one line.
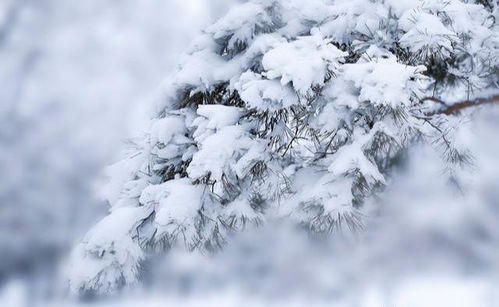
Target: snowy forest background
[[78, 78]]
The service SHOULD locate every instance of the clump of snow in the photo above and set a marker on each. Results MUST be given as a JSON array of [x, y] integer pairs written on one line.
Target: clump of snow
[[217, 151], [219, 116], [264, 94], [426, 33], [108, 257], [241, 23], [176, 203], [305, 62], [383, 82]]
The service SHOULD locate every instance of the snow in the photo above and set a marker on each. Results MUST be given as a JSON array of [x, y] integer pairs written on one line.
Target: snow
[[259, 46], [467, 19], [345, 18], [242, 209], [165, 129], [425, 31], [182, 202], [176, 203], [108, 254], [351, 158], [264, 94], [240, 23], [219, 116], [305, 62], [319, 189], [121, 173], [254, 154], [217, 151], [383, 82], [204, 68]]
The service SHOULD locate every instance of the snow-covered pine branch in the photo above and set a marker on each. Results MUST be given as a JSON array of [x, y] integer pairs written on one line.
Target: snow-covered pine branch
[[288, 109]]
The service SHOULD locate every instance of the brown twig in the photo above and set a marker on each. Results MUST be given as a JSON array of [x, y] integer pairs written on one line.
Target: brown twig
[[456, 107]]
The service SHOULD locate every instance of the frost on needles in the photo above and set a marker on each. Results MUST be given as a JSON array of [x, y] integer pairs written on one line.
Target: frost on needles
[[289, 109]]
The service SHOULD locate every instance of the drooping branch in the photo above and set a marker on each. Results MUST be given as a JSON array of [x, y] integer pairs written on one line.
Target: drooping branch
[[456, 107]]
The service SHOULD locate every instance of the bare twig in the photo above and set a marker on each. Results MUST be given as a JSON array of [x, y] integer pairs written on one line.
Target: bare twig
[[451, 109]]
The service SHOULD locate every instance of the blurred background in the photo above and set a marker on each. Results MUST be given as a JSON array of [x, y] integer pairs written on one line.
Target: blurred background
[[75, 77]]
